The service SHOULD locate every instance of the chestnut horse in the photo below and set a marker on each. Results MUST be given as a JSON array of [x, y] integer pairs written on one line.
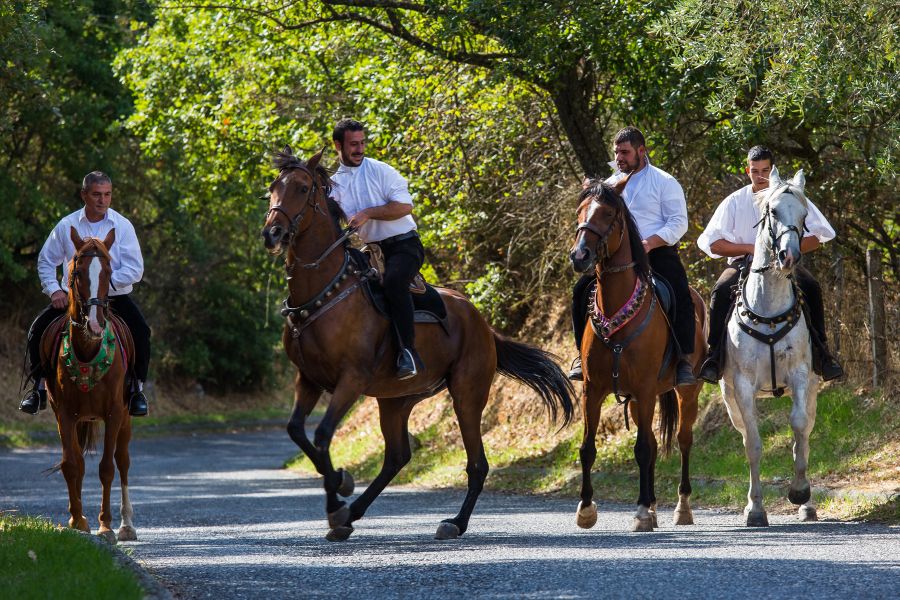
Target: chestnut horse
[[628, 359], [342, 345], [95, 351]]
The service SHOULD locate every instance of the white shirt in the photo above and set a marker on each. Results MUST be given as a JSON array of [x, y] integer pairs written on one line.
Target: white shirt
[[373, 183], [656, 202], [735, 217], [127, 262]]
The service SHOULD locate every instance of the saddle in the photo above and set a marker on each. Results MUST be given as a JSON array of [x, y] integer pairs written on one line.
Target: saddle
[[428, 304]]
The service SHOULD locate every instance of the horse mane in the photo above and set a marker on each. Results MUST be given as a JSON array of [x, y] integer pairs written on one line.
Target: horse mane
[[608, 195], [287, 161]]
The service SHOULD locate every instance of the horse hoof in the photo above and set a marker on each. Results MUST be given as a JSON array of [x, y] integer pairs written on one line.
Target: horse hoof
[[107, 536], [447, 531], [684, 517], [81, 524], [586, 516], [127, 534], [757, 519], [799, 497], [339, 533], [339, 517], [644, 524], [807, 513], [347, 485]]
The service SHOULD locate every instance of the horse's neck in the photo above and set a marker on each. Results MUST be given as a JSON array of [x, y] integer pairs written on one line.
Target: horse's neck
[[766, 293], [304, 284], [614, 289]]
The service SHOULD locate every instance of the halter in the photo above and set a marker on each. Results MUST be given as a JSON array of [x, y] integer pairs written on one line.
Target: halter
[[602, 242], [310, 202]]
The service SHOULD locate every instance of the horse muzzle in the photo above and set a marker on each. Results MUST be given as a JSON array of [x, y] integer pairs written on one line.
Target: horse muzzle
[[273, 238], [582, 258], [788, 258]]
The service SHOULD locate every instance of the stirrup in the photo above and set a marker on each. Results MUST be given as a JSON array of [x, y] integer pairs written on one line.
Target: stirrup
[[576, 372], [406, 371]]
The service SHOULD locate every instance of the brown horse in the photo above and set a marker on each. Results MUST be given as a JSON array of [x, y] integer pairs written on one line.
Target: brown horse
[[94, 352], [339, 343], [628, 357]]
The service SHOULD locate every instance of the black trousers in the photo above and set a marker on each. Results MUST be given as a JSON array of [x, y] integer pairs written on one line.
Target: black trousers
[[665, 262], [123, 306], [723, 296], [402, 260]]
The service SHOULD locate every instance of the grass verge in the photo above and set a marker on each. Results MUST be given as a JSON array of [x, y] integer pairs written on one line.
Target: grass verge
[[854, 458], [40, 560]]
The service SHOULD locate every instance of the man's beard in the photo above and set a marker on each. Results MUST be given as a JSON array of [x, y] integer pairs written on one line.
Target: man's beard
[[350, 161], [630, 167]]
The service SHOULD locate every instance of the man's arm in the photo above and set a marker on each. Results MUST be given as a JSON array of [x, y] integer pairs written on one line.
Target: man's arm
[[387, 212], [726, 248]]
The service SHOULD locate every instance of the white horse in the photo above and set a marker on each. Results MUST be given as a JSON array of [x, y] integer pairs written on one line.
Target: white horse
[[768, 348]]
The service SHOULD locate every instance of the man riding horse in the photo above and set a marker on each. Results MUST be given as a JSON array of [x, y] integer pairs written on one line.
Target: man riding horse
[[730, 233], [95, 220], [375, 198], [656, 201]]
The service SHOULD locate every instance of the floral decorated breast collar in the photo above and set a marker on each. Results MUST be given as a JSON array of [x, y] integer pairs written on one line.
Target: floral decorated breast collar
[[87, 374]]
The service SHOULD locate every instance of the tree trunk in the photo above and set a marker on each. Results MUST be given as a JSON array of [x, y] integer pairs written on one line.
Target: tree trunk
[[876, 316], [572, 96]]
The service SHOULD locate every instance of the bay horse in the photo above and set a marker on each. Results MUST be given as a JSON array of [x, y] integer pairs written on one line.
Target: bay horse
[[92, 351], [340, 344], [628, 357], [768, 349]]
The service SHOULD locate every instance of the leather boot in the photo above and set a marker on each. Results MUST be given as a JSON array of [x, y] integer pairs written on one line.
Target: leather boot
[[684, 374], [34, 401], [137, 404], [406, 365], [711, 370]]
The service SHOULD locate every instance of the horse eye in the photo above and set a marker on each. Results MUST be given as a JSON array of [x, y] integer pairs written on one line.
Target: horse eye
[[304, 189]]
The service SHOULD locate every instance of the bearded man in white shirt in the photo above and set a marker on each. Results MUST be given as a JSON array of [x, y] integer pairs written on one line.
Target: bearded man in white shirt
[[731, 233], [376, 200], [95, 220], [656, 201]]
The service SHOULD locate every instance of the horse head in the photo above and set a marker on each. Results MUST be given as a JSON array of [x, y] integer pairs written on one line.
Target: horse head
[[601, 212], [89, 282], [783, 207], [297, 194]]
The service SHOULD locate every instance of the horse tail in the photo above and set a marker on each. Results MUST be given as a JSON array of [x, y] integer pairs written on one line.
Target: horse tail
[[668, 419], [538, 370], [88, 433]]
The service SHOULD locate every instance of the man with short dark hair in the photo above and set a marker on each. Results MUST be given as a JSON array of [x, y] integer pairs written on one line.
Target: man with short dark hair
[[656, 201], [95, 220], [730, 233], [376, 200]]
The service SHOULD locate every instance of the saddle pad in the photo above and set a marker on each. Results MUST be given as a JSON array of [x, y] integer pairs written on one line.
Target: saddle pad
[[429, 306]]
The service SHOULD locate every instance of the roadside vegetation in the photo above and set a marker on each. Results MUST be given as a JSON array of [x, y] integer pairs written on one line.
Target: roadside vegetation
[[39, 560]]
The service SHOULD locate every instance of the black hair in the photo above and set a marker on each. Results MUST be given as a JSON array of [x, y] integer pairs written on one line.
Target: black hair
[[343, 126], [605, 193], [94, 177], [632, 135], [760, 153]]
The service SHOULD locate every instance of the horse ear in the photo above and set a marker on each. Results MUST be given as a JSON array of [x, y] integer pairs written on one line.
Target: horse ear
[[313, 161], [799, 179], [110, 238], [774, 178], [76, 239], [287, 150]]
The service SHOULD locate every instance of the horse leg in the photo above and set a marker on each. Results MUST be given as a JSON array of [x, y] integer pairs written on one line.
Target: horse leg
[[645, 447], [652, 510], [586, 514], [107, 473], [470, 395], [745, 403], [687, 411], [394, 417], [72, 467], [348, 390], [127, 532], [803, 418]]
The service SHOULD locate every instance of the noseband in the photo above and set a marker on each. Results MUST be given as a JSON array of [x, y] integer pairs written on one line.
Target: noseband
[[83, 305], [310, 202]]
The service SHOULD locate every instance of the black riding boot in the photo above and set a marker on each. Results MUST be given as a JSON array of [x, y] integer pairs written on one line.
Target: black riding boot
[[137, 404], [34, 401]]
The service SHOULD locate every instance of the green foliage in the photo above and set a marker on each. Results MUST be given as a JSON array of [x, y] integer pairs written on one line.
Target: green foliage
[[39, 560]]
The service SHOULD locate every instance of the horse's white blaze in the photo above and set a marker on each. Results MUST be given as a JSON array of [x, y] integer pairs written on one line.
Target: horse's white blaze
[[747, 370], [127, 510], [94, 269]]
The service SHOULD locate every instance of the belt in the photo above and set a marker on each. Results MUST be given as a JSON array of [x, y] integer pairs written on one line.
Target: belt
[[399, 238]]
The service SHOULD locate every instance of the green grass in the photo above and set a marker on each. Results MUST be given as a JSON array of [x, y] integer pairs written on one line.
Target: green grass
[[39, 560], [848, 435]]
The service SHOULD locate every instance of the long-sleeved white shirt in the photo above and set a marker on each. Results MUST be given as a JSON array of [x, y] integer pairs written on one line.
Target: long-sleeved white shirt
[[656, 202], [735, 217], [373, 183], [127, 262]]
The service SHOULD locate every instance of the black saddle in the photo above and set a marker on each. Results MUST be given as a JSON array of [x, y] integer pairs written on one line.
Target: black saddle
[[429, 306], [666, 296]]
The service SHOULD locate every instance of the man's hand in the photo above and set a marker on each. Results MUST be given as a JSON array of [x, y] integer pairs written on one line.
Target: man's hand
[[359, 219], [59, 299], [653, 242]]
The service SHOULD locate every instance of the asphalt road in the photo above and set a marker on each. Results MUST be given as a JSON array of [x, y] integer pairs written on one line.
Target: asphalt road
[[217, 517]]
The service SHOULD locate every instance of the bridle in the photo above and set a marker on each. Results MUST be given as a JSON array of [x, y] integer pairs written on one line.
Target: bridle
[[601, 248], [773, 237], [83, 305]]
